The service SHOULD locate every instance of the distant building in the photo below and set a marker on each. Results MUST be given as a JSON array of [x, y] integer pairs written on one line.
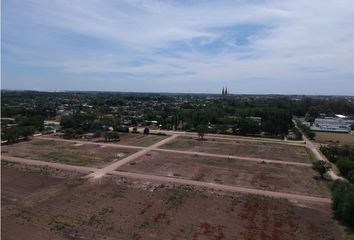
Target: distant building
[[339, 123], [224, 92]]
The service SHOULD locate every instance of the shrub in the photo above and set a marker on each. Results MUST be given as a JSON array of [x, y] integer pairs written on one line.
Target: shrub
[[343, 202], [146, 131], [351, 176], [321, 167], [345, 165]]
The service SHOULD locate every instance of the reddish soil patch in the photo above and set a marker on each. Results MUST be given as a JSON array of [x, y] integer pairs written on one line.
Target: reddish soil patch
[[268, 176], [68, 153], [109, 210], [141, 140], [241, 148]]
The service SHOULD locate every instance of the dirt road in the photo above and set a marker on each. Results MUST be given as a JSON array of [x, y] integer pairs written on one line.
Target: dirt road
[[223, 187], [101, 172], [318, 155], [147, 177], [229, 137], [260, 160], [49, 164], [156, 146]]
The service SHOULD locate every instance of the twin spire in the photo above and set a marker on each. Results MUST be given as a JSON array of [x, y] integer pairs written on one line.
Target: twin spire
[[224, 91]]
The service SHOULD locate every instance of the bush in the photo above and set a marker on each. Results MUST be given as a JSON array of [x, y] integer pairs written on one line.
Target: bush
[[321, 167], [351, 176], [345, 165], [343, 202], [146, 131]]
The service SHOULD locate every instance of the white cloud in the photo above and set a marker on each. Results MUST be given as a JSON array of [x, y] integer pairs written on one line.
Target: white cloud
[[301, 40]]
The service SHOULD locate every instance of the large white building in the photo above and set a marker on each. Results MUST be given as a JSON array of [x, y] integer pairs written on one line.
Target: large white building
[[339, 123]]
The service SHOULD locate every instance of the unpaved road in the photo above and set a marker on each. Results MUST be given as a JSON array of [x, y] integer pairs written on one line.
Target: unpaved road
[[49, 164], [291, 197], [101, 172], [223, 187], [228, 137], [156, 146]]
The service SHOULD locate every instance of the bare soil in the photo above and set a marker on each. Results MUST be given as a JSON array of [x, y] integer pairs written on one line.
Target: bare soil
[[141, 140], [120, 209], [68, 153], [242, 148], [265, 176]]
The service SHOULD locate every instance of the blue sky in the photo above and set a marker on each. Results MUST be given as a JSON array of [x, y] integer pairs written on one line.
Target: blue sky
[[260, 46]]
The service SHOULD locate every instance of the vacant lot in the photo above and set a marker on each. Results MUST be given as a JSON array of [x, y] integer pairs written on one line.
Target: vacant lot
[[241, 148], [141, 140], [273, 177], [120, 209], [68, 153], [18, 185], [327, 137]]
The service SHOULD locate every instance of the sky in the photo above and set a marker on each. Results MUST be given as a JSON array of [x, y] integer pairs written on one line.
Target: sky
[[187, 46]]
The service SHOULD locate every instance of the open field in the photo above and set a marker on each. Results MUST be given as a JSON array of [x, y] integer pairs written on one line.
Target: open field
[[141, 140], [241, 148], [66, 152], [327, 137], [273, 177], [117, 208]]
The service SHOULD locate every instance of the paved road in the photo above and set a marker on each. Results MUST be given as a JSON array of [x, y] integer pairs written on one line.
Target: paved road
[[101, 172], [297, 197], [156, 146]]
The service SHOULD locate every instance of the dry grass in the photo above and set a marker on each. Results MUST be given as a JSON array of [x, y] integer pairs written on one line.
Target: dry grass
[[327, 137]]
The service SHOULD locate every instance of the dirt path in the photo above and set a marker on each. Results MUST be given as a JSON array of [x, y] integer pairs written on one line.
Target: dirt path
[[156, 146], [221, 187], [48, 137], [318, 155], [230, 137], [49, 164], [168, 180], [101, 172], [236, 157]]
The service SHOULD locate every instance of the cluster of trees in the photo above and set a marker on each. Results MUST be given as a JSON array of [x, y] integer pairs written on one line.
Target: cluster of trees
[[306, 130], [343, 157], [343, 202], [22, 128], [79, 123]]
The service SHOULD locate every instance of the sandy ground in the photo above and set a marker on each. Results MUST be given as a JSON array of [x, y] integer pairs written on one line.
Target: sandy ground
[[67, 152], [273, 177], [242, 148], [116, 208]]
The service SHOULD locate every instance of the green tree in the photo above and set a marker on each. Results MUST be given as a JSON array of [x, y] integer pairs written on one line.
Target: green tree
[[321, 167], [343, 201], [345, 165], [201, 130]]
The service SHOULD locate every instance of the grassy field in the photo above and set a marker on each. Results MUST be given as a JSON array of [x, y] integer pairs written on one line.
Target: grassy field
[[327, 137]]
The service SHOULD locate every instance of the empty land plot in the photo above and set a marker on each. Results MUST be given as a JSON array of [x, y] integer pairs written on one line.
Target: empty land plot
[[65, 152], [18, 185], [141, 140], [265, 176], [328, 137], [121, 209], [242, 148]]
